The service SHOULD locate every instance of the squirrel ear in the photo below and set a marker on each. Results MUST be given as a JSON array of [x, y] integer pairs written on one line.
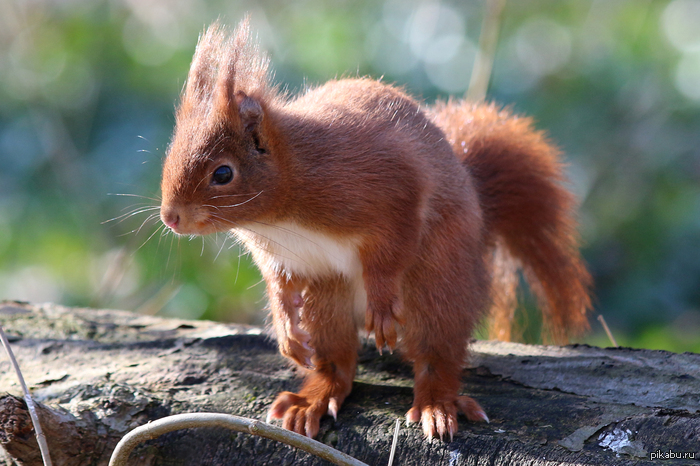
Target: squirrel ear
[[250, 111]]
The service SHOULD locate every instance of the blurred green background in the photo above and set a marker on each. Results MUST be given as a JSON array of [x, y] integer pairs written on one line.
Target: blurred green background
[[88, 89]]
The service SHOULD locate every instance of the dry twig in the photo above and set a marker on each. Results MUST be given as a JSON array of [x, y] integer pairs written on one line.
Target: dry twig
[[481, 74], [601, 319], [31, 407], [395, 441]]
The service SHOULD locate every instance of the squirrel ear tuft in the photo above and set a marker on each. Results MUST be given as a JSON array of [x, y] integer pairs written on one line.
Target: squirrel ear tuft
[[250, 111]]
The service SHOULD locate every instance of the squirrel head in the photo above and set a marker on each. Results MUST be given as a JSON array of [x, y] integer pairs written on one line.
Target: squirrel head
[[219, 170]]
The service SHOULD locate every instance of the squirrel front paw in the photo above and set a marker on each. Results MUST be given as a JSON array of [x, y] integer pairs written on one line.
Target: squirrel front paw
[[383, 320], [293, 340], [295, 345]]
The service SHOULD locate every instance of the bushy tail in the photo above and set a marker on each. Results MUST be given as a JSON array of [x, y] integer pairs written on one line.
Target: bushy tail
[[529, 215]]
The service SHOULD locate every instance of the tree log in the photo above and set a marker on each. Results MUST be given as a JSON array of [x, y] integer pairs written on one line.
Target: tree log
[[99, 373]]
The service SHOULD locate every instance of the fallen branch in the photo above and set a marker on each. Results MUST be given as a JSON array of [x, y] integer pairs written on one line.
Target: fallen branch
[[162, 426]]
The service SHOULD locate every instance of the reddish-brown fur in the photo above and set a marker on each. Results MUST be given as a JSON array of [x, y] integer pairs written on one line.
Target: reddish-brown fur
[[350, 196], [528, 213]]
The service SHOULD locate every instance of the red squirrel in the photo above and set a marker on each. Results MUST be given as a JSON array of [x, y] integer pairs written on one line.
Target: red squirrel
[[364, 209]]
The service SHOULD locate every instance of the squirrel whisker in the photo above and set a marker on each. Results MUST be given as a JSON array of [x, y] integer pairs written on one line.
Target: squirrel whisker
[[231, 195], [240, 203], [136, 211], [148, 219], [161, 228], [156, 199]]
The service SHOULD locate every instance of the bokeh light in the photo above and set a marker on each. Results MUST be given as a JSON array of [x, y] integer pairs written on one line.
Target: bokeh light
[[88, 89]]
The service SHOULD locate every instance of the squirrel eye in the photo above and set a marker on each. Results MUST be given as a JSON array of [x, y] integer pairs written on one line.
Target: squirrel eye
[[222, 175]]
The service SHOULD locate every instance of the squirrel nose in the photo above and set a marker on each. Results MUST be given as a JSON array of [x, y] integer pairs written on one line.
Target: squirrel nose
[[170, 217]]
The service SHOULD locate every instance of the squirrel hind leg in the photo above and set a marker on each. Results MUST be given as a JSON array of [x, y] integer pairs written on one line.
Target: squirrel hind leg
[[442, 305], [328, 319], [435, 340], [323, 392]]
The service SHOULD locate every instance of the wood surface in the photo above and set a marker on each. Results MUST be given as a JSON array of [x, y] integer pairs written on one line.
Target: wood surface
[[100, 373]]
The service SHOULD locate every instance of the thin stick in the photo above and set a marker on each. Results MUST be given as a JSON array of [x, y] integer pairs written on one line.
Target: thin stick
[[228, 421], [488, 39], [601, 319], [395, 441], [31, 407]]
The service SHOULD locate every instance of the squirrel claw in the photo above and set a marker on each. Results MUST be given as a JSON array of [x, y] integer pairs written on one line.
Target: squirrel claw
[[483, 416], [440, 419], [384, 327], [471, 409], [295, 344], [333, 407], [301, 353]]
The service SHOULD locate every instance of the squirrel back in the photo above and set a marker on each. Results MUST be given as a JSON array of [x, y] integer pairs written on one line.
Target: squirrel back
[[528, 215]]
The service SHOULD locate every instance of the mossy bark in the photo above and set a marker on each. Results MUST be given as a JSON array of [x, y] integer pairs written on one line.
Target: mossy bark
[[99, 373]]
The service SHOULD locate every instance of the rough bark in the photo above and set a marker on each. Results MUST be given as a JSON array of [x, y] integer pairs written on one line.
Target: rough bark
[[100, 373]]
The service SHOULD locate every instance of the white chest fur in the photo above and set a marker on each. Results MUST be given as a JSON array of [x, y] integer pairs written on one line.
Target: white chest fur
[[288, 247]]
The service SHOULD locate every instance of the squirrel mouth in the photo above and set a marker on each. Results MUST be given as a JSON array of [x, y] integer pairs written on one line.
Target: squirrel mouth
[[185, 221]]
